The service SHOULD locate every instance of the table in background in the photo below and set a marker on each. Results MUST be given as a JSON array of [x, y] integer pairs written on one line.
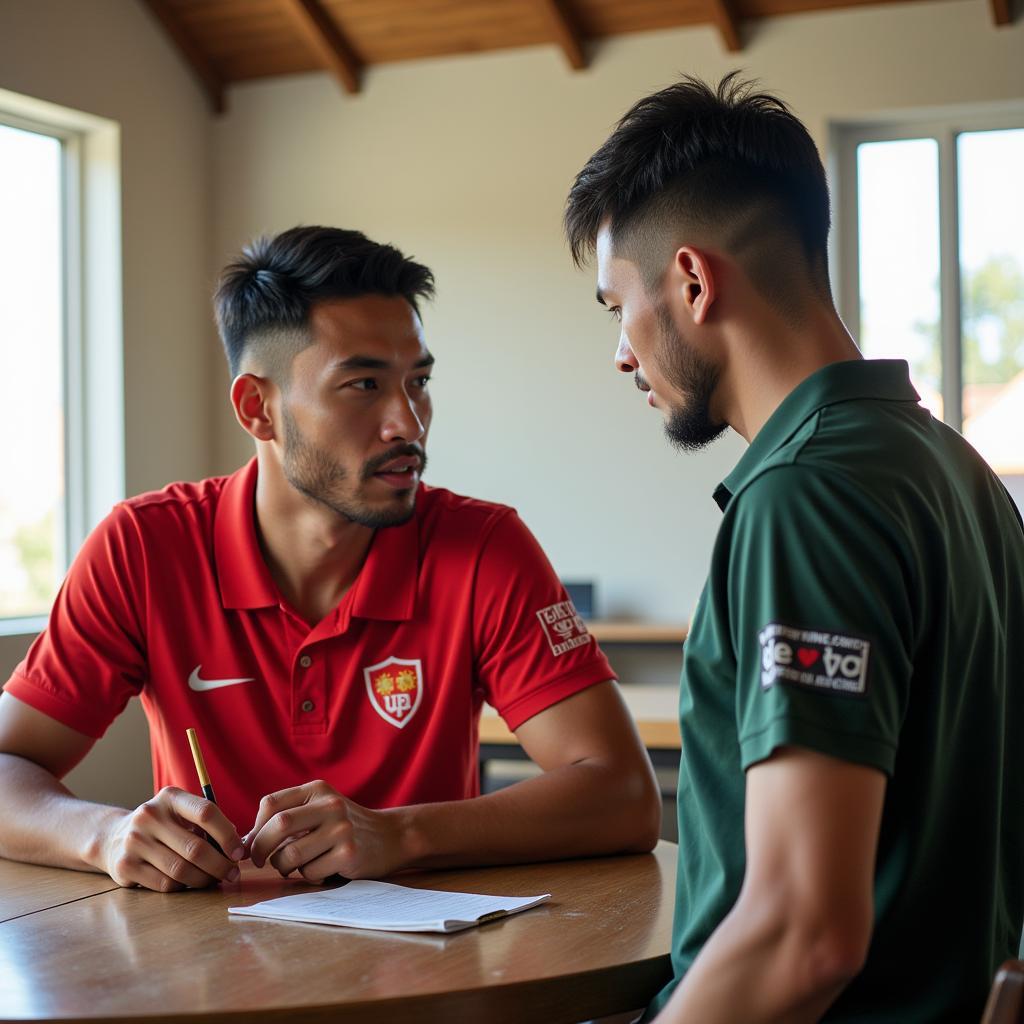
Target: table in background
[[627, 631], [655, 709], [74, 948]]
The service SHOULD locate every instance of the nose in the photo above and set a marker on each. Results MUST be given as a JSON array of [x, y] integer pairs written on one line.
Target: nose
[[402, 422], [624, 358]]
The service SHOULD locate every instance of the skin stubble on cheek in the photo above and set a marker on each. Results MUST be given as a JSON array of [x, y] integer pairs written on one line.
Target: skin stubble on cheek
[[309, 469], [688, 427]]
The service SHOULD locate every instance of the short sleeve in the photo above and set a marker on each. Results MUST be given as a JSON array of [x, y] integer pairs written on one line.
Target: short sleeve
[[532, 648], [821, 620], [82, 669]]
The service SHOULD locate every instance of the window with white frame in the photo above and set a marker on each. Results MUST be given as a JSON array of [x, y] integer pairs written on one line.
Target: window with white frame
[[33, 514], [61, 377], [930, 229]]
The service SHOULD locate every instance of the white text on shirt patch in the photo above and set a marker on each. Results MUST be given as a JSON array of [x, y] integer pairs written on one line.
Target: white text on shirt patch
[[563, 627], [819, 660]]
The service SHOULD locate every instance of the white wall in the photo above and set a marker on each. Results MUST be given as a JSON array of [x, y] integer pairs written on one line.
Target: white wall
[[108, 58], [466, 162]]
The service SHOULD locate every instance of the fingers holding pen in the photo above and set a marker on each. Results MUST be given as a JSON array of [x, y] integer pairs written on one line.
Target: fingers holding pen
[[155, 846], [174, 841], [192, 810]]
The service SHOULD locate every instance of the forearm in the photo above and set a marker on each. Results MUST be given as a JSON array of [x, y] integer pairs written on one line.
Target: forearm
[[577, 810], [44, 823], [758, 969]]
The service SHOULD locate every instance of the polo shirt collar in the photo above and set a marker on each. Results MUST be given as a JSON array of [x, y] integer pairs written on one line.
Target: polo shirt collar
[[245, 580], [384, 589], [883, 379]]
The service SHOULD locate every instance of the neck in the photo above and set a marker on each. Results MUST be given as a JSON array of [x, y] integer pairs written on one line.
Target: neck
[[768, 358], [313, 553]]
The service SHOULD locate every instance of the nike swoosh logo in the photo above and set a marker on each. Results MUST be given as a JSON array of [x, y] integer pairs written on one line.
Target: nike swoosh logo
[[195, 683]]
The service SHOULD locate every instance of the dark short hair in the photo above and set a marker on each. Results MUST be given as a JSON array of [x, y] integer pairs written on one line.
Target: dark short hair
[[265, 295], [734, 163]]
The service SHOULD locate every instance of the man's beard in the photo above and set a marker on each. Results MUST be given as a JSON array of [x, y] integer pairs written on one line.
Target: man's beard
[[688, 428], [322, 479]]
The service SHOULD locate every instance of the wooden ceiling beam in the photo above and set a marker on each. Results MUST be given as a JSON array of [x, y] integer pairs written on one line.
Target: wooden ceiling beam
[[328, 41], [723, 17], [564, 30], [1002, 12], [213, 84]]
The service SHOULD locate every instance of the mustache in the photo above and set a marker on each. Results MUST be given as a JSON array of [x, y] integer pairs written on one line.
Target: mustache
[[640, 381], [377, 463]]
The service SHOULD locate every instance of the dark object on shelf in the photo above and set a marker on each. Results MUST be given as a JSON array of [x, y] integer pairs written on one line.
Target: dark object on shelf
[[581, 595]]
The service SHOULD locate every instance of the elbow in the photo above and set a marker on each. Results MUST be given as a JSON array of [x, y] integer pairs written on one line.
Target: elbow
[[642, 803], [834, 957], [819, 948], [825, 955], [648, 839], [650, 830]]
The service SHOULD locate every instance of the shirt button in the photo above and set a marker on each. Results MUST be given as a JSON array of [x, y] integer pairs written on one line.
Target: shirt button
[[308, 705], [305, 661]]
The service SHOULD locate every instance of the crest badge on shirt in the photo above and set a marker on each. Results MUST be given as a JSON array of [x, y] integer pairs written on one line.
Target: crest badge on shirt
[[395, 688]]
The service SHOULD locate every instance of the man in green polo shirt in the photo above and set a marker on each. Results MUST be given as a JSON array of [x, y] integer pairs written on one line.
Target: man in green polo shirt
[[851, 794]]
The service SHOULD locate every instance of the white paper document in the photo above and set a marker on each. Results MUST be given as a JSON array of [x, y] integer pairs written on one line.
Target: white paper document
[[391, 908]]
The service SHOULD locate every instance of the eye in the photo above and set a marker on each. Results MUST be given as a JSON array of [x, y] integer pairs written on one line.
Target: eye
[[364, 384], [423, 381], [615, 312]]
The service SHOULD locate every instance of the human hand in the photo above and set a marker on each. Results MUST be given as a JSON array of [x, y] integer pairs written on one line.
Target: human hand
[[316, 831], [160, 844]]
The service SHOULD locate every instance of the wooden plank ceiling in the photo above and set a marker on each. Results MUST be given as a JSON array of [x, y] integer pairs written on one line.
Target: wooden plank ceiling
[[228, 41]]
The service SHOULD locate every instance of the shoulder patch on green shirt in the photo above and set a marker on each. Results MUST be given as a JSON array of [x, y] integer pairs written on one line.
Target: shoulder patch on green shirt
[[818, 659]]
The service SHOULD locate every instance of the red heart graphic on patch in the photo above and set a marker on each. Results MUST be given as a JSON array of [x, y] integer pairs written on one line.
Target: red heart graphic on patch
[[807, 656]]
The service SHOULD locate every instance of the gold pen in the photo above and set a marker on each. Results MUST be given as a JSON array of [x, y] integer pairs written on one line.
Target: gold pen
[[204, 778]]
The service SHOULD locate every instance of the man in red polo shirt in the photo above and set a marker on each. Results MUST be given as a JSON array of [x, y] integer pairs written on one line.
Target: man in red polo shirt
[[330, 625]]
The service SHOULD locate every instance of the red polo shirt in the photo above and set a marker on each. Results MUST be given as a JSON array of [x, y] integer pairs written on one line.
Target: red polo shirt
[[170, 600]]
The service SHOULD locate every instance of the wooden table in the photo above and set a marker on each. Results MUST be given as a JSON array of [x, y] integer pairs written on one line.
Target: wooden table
[[73, 947], [655, 709], [628, 631]]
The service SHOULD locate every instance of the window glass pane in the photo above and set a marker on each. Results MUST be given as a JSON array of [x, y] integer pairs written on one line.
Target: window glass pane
[[31, 372], [898, 229], [991, 169]]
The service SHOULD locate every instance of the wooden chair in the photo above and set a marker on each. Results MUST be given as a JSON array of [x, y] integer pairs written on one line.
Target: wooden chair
[[1006, 999]]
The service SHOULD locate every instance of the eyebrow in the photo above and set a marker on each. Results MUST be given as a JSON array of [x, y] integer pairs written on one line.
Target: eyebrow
[[600, 297], [372, 363]]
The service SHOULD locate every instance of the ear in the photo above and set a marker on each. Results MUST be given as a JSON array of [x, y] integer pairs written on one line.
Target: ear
[[696, 282], [250, 398]]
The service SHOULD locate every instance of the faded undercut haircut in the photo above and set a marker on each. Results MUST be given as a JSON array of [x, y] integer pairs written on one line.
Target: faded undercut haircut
[[728, 167], [264, 297]]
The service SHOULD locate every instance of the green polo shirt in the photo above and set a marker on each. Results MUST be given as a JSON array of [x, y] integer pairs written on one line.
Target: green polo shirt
[[866, 600]]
